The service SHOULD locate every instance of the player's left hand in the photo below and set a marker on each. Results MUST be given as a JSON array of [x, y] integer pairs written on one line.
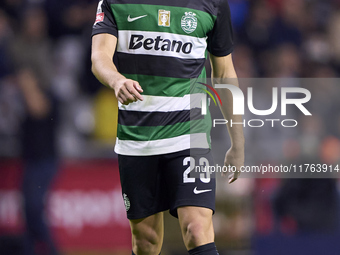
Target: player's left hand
[[234, 158]]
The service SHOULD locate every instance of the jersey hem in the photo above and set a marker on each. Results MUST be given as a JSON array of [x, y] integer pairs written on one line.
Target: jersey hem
[[151, 152], [158, 150]]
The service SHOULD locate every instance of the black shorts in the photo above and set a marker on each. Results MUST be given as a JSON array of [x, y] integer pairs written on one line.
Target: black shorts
[[152, 184]]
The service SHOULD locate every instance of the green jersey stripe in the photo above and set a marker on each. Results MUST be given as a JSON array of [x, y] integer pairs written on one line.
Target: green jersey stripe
[[146, 133], [161, 86], [164, 86], [139, 133]]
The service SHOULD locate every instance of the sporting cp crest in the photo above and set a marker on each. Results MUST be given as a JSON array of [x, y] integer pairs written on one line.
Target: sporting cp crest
[[126, 202], [189, 22]]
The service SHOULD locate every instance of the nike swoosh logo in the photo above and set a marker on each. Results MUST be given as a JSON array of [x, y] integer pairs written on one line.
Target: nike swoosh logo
[[201, 191], [129, 19]]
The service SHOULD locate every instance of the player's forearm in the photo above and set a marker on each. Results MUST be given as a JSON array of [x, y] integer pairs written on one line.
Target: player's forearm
[[235, 122], [223, 72], [104, 69]]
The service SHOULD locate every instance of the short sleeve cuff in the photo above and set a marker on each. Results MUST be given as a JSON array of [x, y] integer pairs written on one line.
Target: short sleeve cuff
[[105, 31], [222, 53]]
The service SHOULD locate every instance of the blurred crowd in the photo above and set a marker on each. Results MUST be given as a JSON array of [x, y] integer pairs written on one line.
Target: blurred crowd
[[287, 38], [45, 51]]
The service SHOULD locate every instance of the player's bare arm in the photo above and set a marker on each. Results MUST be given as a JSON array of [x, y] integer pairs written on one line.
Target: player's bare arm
[[103, 48], [223, 68]]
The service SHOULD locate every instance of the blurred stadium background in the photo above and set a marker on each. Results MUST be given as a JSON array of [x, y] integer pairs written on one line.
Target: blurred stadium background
[[51, 107]]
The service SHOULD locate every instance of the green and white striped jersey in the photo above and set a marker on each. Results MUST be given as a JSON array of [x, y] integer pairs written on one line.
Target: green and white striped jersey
[[162, 45]]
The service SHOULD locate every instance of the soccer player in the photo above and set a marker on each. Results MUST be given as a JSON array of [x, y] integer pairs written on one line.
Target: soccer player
[[158, 47]]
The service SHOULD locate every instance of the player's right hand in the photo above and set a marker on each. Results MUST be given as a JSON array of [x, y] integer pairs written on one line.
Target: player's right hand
[[234, 158], [128, 91]]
